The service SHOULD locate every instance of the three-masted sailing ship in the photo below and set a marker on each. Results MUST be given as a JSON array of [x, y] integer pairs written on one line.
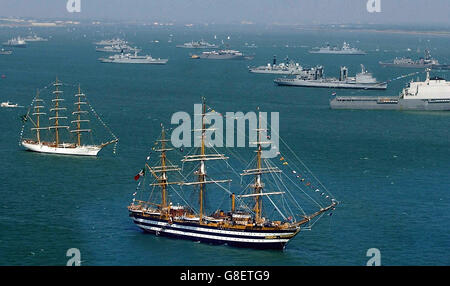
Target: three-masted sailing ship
[[58, 124], [244, 225]]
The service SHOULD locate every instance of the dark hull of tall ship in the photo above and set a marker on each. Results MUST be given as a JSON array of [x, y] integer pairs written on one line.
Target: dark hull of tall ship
[[247, 238]]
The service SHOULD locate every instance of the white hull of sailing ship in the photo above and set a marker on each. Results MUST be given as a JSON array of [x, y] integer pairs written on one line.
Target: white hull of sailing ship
[[191, 230], [78, 147], [63, 149]]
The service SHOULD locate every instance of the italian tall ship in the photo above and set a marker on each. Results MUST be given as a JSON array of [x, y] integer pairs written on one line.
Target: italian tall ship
[[57, 135], [248, 221]]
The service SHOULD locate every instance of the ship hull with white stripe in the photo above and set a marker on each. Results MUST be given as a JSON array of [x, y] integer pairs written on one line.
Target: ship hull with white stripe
[[62, 149], [248, 238]]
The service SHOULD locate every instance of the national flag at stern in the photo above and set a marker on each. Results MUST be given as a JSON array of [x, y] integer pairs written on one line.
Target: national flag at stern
[[141, 174]]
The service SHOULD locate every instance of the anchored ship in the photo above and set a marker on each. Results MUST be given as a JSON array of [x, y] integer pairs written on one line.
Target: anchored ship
[[117, 49], [75, 130], [431, 94], [15, 42], [198, 45], [5, 52], [345, 50], [248, 223], [288, 68], [315, 78], [133, 59], [8, 104], [223, 55], [112, 42], [35, 38], [427, 62]]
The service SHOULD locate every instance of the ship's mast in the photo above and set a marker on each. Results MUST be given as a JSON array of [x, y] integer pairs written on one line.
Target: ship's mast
[[201, 172], [203, 157], [258, 184], [38, 113], [78, 112], [56, 108], [164, 168]]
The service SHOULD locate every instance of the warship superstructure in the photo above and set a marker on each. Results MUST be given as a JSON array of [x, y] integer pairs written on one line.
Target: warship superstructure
[[314, 77], [431, 94]]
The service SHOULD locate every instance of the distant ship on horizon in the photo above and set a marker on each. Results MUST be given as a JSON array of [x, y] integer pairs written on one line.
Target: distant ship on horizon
[[426, 62], [74, 130], [223, 55], [345, 50], [15, 42], [198, 45], [288, 68]]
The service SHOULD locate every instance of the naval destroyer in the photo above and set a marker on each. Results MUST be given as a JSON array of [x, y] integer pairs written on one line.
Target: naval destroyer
[[431, 94], [112, 42], [314, 78], [35, 38], [117, 49], [288, 68], [223, 55], [197, 45], [345, 50], [133, 59], [426, 62]]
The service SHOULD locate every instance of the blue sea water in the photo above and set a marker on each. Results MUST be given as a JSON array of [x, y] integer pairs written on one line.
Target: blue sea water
[[390, 170]]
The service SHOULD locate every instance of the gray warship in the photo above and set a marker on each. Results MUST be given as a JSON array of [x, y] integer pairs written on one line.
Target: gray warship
[[314, 78], [133, 59], [425, 62], [433, 94], [223, 55], [345, 50], [197, 45], [288, 68]]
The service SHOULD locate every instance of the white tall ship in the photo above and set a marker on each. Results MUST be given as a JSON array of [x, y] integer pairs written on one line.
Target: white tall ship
[[133, 59], [345, 50], [15, 42], [59, 125]]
